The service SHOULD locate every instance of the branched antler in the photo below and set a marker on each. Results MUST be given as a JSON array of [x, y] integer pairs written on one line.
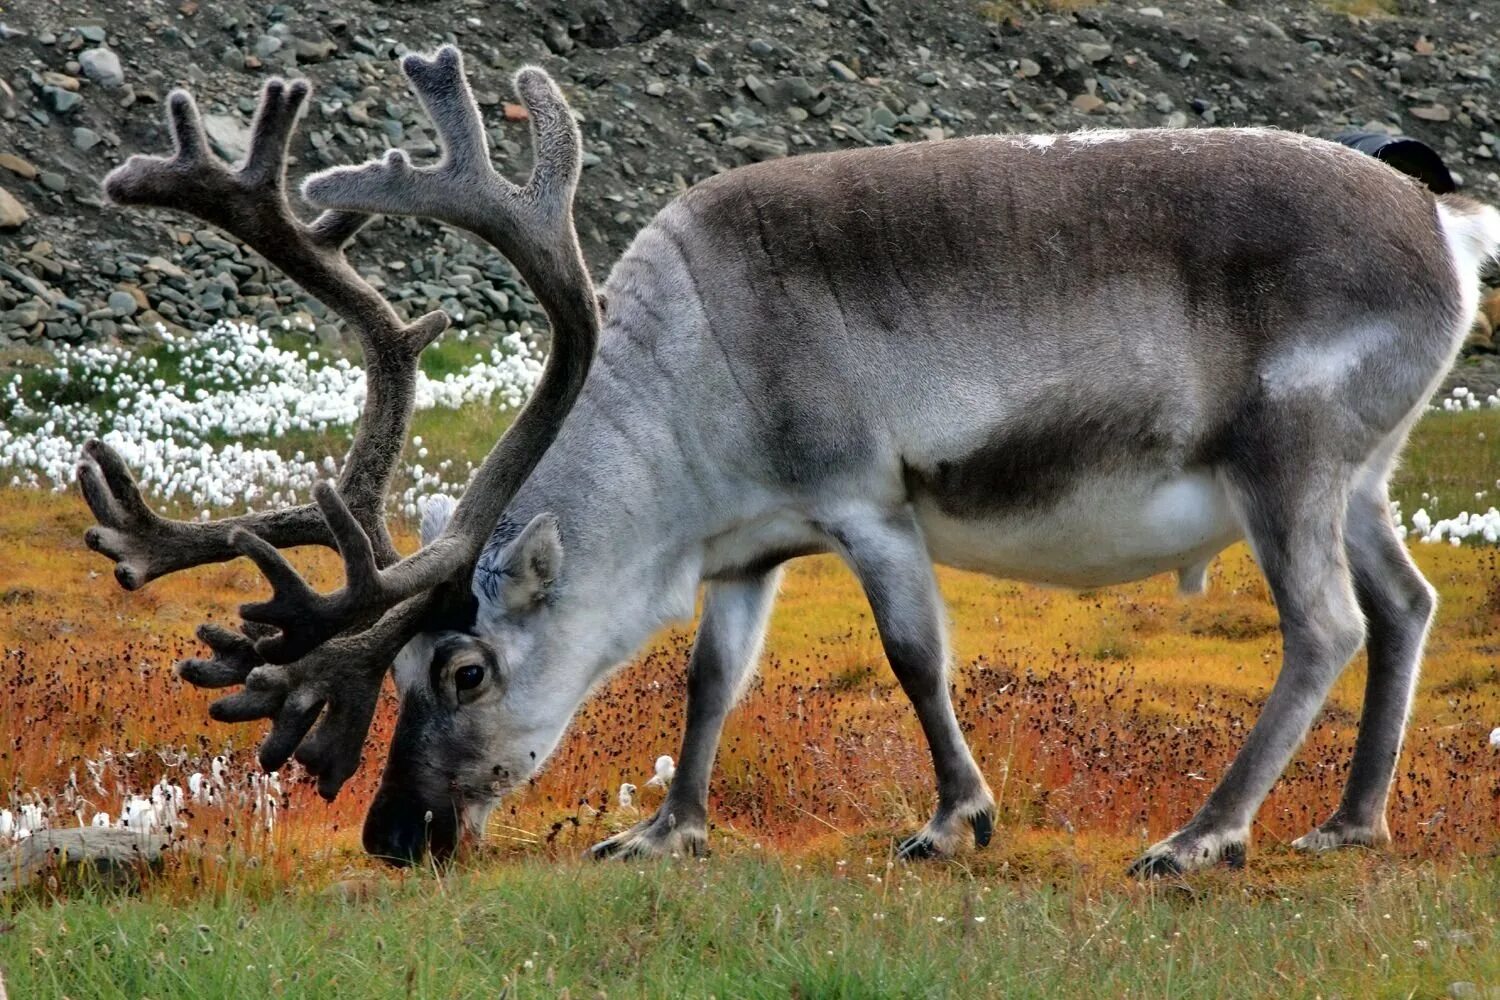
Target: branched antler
[[250, 204], [321, 658], [532, 225]]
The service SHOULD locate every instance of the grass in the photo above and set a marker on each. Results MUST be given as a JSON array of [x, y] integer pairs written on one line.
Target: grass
[[834, 927], [1100, 719]]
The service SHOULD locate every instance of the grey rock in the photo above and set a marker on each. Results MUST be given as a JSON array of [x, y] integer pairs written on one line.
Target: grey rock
[[1027, 68], [85, 139], [758, 147], [59, 100], [555, 35], [842, 72], [761, 49], [115, 854], [92, 33], [122, 304], [53, 181], [229, 136], [102, 66], [267, 46], [1095, 51]]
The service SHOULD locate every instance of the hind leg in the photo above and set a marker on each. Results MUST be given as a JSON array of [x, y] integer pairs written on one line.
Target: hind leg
[[1294, 519], [1398, 605]]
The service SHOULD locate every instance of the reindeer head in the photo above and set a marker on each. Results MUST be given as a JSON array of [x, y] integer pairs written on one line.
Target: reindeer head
[[477, 715], [303, 656]]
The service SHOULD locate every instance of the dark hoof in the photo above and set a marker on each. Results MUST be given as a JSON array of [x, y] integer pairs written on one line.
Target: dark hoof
[[983, 824], [1155, 866], [917, 848]]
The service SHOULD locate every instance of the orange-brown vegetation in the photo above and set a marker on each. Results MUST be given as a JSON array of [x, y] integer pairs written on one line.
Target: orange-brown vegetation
[[1101, 719]]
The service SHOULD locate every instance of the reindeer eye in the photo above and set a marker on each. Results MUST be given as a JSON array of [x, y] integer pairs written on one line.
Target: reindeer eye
[[468, 677]]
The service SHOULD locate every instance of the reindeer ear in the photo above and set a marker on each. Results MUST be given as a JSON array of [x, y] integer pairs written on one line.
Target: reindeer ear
[[531, 563]]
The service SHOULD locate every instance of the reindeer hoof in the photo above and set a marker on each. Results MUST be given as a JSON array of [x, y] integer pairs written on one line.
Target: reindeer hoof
[[661, 836], [1336, 833], [944, 834], [1185, 852]]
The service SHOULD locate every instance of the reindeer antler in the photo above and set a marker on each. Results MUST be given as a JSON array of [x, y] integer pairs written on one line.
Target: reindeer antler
[[251, 204], [532, 225]]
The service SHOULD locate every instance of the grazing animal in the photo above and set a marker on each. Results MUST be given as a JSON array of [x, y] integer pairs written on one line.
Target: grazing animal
[[1073, 359]]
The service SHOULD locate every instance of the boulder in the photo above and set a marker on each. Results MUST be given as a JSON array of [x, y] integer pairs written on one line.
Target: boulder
[[102, 66], [114, 854]]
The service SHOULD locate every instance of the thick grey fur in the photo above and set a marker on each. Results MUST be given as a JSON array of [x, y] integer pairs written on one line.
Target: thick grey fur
[[897, 354]]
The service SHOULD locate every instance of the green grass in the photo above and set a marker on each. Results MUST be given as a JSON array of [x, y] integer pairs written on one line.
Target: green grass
[[1451, 456], [751, 926]]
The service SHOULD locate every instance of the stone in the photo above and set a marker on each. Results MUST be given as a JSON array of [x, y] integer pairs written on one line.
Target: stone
[[757, 147], [1088, 103], [761, 49], [53, 181], [113, 854], [85, 139], [1489, 305], [59, 100], [102, 66], [17, 166], [1027, 68], [514, 112], [229, 136], [842, 72], [12, 213], [656, 89], [1095, 51], [122, 304], [92, 33], [1432, 113]]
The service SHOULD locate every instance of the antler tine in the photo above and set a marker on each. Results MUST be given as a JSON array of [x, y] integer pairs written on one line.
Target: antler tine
[[533, 227], [342, 675]]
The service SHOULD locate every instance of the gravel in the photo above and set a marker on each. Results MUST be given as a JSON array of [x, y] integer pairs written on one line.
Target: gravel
[[669, 91]]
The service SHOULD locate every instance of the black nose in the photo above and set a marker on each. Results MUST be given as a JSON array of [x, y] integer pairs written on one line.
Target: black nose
[[401, 828]]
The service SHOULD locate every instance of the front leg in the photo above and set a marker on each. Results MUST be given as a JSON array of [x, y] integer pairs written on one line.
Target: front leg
[[724, 654], [891, 560]]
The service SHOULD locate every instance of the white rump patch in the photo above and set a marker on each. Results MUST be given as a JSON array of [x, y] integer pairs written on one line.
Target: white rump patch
[[1040, 141]]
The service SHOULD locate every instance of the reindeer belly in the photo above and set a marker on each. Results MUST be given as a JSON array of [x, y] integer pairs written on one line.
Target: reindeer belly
[[1111, 529]]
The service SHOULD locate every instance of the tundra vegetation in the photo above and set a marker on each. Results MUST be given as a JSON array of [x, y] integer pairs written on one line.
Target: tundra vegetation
[[1095, 716]]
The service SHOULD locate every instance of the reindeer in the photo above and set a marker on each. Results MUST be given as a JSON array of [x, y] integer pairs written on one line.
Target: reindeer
[[1077, 360]]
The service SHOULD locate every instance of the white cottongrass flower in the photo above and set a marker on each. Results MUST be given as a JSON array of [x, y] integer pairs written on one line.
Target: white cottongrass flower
[[665, 771], [244, 386]]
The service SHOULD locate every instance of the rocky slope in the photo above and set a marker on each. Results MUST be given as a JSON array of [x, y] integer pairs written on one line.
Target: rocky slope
[[670, 91]]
